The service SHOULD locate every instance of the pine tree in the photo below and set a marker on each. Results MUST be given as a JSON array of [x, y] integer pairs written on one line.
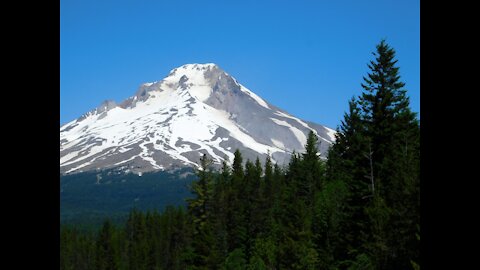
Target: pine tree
[[178, 240], [258, 203], [136, 241], [237, 167], [152, 240], [105, 259], [329, 217], [376, 155], [278, 181], [296, 248], [236, 225], [393, 129], [268, 180], [66, 243], [385, 108], [200, 212], [313, 168], [348, 166], [220, 207]]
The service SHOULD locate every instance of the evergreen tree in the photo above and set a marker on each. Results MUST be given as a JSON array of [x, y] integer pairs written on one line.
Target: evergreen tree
[[221, 205], [236, 227], [235, 260], [376, 155], [329, 215], [77, 249], [105, 254], [296, 247], [66, 243], [252, 202], [153, 238], [136, 241], [313, 168], [278, 181], [200, 211], [392, 128], [258, 203], [347, 164], [237, 167], [268, 180], [179, 240]]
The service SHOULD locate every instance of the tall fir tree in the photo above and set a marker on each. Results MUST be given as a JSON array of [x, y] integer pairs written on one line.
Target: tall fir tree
[[268, 180], [376, 155], [392, 128], [347, 164], [219, 215], [236, 220], [313, 167], [200, 213], [106, 259], [136, 240]]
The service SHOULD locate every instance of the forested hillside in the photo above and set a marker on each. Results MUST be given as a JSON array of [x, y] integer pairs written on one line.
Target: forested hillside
[[87, 198], [360, 209]]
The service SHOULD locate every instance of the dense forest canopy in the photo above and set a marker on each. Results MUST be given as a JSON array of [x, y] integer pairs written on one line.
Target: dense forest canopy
[[357, 210]]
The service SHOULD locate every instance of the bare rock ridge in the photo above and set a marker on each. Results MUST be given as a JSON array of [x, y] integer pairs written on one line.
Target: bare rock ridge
[[196, 109]]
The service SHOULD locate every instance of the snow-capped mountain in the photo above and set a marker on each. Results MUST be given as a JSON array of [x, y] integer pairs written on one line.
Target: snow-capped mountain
[[196, 109]]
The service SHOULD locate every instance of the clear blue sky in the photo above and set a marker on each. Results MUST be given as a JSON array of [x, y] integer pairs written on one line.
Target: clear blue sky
[[306, 57]]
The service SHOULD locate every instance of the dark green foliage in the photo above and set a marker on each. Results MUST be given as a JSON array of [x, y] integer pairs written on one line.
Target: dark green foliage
[[235, 260], [358, 210], [77, 249], [86, 199], [329, 216], [269, 185], [235, 224], [136, 241], [147, 241], [200, 210], [377, 155], [347, 163], [105, 253]]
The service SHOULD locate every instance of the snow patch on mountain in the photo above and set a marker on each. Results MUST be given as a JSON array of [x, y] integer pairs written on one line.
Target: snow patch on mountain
[[302, 139], [331, 133], [278, 144], [258, 99]]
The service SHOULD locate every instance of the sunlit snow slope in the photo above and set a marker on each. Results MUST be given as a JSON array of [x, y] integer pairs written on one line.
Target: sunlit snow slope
[[196, 109]]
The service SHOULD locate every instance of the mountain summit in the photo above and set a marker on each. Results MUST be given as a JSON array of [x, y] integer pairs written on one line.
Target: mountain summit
[[196, 109]]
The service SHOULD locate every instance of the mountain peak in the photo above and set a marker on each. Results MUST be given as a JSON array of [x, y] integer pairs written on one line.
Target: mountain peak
[[198, 66], [197, 109], [194, 67], [198, 79]]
